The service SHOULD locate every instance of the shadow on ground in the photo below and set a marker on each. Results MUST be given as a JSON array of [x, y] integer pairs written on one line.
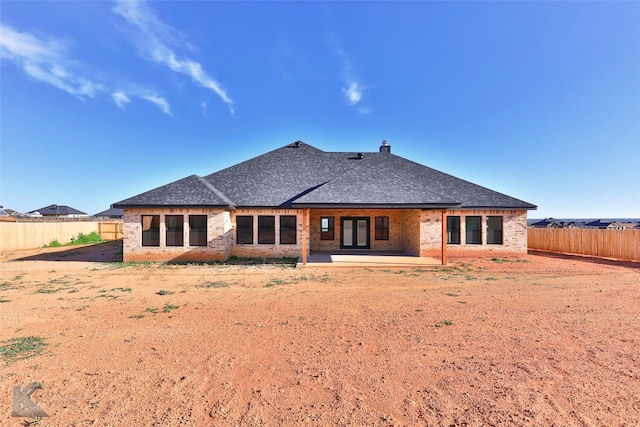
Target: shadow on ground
[[101, 252], [585, 258]]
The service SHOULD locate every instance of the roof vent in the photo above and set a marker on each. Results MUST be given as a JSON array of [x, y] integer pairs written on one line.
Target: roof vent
[[360, 156], [385, 147], [297, 144]]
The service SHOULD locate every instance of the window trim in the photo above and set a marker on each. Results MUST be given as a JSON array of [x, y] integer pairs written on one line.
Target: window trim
[[468, 231], [329, 234], [491, 231], [381, 227], [195, 233], [289, 232], [177, 233], [244, 230], [453, 231], [266, 229]]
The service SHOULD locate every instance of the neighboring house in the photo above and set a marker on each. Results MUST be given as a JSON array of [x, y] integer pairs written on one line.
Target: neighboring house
[[113, 213], [58, 211], [298, 199], [548, 223], [598, 224]]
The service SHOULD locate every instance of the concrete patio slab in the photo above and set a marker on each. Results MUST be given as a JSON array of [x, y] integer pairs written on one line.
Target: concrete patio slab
[[367, 259]]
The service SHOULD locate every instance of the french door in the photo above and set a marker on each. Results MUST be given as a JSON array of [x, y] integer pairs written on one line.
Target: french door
[[354, 233]]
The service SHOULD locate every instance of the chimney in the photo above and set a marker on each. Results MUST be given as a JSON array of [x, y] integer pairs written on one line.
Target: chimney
[[385, 147]]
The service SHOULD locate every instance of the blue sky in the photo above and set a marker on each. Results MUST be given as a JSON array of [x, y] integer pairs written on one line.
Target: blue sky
[[100, 101]]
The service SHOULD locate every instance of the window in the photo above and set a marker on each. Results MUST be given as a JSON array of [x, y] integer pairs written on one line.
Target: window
[[473, 229], [244, 230], [266, 230], [382, 228], [288, 230], [150, 230], [494, 230], [197, 230], [326, 228], [175, 230], [453, 230]]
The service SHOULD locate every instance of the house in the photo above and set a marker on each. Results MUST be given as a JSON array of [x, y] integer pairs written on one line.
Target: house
[[112, 213], [548, 223], [298, 199], [58, 211]]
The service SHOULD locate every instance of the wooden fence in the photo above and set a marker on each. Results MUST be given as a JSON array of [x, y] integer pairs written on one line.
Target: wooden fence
[[29, 235], [617, 244]]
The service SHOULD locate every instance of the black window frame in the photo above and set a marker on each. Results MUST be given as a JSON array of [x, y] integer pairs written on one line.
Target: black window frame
[[266, 229], [495, 236], [198, 230], [151, 236], [473, 236], [174, 230], [381, 227], [244, 229], [328, 232], [288, 229], [453, 230]]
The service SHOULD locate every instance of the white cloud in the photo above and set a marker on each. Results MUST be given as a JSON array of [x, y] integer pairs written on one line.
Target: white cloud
[[46, 60], [159, 101], [353, 93], [154, 42], [120, 98], [352, 90]]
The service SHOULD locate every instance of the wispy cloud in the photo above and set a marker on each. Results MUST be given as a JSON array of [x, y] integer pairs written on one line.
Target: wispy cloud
[[352, 88], [154, 41], [46, 59], [120, 98], [352, 93]]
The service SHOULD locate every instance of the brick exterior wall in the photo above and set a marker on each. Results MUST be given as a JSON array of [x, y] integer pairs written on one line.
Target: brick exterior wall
[[219, 239], [267, 251], [415, 231]]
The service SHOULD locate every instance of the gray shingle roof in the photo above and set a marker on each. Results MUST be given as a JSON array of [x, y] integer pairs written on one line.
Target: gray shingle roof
[[58, 210], [299, 175]]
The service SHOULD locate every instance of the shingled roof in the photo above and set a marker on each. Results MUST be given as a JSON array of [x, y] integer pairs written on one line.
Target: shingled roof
[[300, 175]]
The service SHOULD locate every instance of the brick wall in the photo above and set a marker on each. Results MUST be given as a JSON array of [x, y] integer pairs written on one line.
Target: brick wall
[[414, 231], [219, 239], [267, 251]]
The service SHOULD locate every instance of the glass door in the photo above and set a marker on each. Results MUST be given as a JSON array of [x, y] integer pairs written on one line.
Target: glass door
[[355, 233]]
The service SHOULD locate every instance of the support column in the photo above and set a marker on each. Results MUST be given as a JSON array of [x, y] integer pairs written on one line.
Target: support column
[[444, 237], [304, 236]]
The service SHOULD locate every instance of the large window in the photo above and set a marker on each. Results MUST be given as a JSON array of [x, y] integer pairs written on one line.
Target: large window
[[197, 230], [266, 229], [326, 228], [453, 230], [494, 230], [382, 228], [175, 230], [473, 230], [244, 230], [288, 230], [150, 230]]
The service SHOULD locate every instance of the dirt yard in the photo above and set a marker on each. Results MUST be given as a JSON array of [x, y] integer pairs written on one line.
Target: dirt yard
[[537, 341]]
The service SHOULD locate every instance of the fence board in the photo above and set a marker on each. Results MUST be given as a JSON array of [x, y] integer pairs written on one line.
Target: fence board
[[29, 235], [617, 244]]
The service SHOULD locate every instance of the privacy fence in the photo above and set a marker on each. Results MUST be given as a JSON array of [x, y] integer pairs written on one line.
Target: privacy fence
[[28, 235], [617, 244]]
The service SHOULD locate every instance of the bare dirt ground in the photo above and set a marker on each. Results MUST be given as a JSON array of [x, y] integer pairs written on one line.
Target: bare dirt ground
[[540, 341]]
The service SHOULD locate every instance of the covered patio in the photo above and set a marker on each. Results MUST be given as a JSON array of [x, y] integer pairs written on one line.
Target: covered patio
[[366, 259]]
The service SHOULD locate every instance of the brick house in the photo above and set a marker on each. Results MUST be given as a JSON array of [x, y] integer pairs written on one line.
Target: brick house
[[297, 199]]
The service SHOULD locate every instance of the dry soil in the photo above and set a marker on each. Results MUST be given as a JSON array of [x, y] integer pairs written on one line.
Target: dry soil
[[536, 341]]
